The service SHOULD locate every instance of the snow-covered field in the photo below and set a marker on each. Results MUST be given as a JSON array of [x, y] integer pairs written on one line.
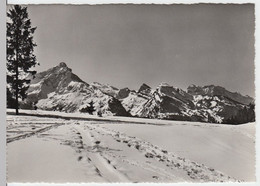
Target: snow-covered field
[[82, 148]]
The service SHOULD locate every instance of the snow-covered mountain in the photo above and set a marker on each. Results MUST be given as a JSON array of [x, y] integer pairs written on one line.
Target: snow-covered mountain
[[164, 102], [168, 102], [59, 89], [212, 90]]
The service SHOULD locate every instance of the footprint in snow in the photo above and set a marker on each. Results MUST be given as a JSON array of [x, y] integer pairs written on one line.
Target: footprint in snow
[[98, 171], [79, 158]]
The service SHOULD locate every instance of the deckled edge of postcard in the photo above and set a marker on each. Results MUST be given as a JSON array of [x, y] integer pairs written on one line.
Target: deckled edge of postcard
[[3, 171], [2, 94]]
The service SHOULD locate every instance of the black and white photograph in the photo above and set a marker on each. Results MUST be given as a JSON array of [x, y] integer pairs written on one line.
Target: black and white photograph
[[130, 93]]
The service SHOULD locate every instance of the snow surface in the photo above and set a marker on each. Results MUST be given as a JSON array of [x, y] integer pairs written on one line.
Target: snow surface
[[229, 149], [83, 148]]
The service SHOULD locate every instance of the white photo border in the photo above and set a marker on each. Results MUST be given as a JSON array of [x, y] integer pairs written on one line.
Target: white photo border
[[92, 2]]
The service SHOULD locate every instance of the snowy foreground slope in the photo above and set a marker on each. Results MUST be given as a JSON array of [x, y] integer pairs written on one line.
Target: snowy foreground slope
[[79, 148]]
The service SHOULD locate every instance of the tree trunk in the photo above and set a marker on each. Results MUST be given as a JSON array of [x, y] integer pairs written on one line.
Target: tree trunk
[[16, 93], [16, 85]]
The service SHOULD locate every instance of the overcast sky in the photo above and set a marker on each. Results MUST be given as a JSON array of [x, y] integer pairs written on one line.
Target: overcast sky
[[127, 45]]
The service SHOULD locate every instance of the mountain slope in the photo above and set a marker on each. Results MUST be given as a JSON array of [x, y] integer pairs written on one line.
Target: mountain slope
[[54, 79], [61, 90], [216, 105], [212, 90], [164, 102]]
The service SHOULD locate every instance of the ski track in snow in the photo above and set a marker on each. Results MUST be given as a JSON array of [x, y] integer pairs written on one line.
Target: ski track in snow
[[89, 149], [22, 127], [111, 156], [198, 172]]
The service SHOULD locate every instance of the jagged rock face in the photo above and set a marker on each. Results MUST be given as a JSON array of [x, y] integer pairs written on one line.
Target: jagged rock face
[[160, 103], [178, 95], [55, 79], [134, 103], [107, 89], [144, 89], [117, 108], [212, 90], [123, 93], [168, 102], [219, 105], [60, 90], [215, 108]]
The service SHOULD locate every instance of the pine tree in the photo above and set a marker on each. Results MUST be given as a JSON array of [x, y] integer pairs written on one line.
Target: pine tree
[[89, 109], [20, 48]]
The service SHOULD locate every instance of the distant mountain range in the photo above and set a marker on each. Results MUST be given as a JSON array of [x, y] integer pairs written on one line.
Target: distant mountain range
[[61, 90]]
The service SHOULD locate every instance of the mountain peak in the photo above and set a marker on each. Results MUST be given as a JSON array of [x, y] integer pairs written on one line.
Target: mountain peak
[[164, 84], [58, 88], [144, 87], [62, 64], [61, 68], [192, 85]]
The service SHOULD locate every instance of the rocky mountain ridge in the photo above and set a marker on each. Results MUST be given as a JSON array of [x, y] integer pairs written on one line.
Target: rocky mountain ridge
[[61, 90]]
